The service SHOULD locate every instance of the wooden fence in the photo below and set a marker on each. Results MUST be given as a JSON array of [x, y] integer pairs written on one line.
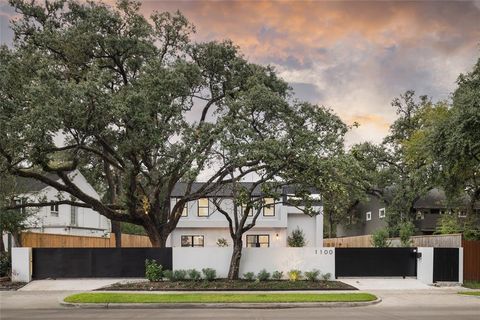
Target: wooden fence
[[438, 241], [471, 260], [47, 240]]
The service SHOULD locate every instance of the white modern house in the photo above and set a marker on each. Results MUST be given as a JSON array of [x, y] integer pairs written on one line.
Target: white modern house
[[61, 219], [202, 225]]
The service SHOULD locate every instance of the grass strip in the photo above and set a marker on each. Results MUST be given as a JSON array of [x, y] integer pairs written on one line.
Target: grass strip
[[101, 297], [470, 293], [472, 284]]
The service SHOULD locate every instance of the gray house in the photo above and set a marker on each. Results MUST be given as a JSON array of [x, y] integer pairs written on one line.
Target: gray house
[[370, 216]]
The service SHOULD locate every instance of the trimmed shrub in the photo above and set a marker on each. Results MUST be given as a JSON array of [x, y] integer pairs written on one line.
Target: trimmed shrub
[[169, 275], [194, 275], [294, 275], [277, 275], [179, 274], [407, 229], [250, 276], [327, 276], [209, 274], [153, 270], [312, 275], [296, 238], [263, 275]]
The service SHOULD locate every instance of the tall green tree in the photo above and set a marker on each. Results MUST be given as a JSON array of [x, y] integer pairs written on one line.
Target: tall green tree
[[138, 106]]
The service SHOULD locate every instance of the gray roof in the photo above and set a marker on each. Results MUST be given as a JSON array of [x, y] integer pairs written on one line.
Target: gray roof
[[436, 199], [25, 185]]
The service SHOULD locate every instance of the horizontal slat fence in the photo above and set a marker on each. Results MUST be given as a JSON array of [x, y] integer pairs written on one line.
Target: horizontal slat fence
[[437, 241], [47, 240], [471, 260]]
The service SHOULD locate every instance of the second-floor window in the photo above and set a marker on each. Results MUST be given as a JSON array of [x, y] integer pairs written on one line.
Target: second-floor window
[[202, 210], [269, 208], [242, 208], [54, 210], [73, 215], [258, 241], [192, 241], [185, 208], [381, 213], [369, 216]]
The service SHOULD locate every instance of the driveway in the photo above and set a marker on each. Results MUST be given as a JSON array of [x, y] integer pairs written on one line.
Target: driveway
[[387, 284], [73, 284]]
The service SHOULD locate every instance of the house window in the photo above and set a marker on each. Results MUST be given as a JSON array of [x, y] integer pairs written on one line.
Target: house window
[[369, 216], [203, 207], [21, 201], [462, 214], [192, 241], [258, 241], [269, 208], [381, 213], [54, 210], [420, 215], [73, 215], [185, 207], [241, 209]]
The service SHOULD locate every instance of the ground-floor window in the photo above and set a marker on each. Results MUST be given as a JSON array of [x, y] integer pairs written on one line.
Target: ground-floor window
[[193, 241], [258, 241]]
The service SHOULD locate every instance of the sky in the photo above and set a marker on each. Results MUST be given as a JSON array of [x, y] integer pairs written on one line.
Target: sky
[[353, 57]]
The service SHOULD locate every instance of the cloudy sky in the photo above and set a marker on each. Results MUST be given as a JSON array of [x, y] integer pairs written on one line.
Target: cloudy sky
[[354, 57]]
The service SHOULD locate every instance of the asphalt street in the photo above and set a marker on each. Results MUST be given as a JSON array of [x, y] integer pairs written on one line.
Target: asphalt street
[[416, 304]]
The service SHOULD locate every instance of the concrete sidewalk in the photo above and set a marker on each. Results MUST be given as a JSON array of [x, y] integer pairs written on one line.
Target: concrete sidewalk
[[73, 284]]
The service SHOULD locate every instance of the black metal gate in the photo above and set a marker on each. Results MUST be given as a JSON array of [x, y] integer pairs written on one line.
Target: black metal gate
[[445, 264], [96, 262], [376, 262]]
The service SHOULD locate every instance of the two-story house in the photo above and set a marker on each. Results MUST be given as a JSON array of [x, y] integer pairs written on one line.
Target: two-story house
[[202, 225], [61, 219], [370, 215]]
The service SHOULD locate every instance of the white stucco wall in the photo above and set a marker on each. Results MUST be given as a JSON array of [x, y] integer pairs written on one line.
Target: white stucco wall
[[21, 264], [256, 259], [425, 265]]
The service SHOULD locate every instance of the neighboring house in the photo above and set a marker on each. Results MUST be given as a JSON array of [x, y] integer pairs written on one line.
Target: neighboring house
[[202, 225], [370, 216], [61, 219]]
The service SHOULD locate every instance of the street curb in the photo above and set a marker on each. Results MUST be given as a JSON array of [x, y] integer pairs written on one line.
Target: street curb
[[285, 305]]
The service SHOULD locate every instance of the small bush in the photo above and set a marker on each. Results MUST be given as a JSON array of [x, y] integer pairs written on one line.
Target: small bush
[[327, 276], [407, 229], [312, 275], [296, 238], [153, 270], [277, 275], [263, 275], [294, 275], [209, 274], [222, 242], [250, 276], [169, 275], [179, 275], [194, 275], [380, 239]]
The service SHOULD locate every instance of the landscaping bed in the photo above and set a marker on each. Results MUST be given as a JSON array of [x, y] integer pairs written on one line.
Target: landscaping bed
[[217, 298], [7, 285], [229, 285]]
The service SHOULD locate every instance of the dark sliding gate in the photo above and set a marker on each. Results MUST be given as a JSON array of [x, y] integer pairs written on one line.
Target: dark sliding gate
[[96, 262], [445, 264], [376, 262]]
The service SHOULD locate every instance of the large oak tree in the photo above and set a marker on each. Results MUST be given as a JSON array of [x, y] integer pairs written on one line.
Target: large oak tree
[[140, 107]]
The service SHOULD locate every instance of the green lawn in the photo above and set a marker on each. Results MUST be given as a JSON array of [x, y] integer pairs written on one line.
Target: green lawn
[[472, 284], [216, 297], [471, 293]]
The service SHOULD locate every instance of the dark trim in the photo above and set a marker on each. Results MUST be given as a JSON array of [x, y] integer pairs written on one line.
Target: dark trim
[[192, 240], [257, 243], [198, 208], [273, 206]]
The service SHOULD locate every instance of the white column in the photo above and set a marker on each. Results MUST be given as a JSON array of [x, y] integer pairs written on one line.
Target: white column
[[425, 265], [319, 229], [21, 264], [460, 265]]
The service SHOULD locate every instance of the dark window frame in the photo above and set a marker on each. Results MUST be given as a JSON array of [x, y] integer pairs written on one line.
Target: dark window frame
[[55, 210], [192, 242], [257, 240], [203, 207], [185, 207], [272, 206]]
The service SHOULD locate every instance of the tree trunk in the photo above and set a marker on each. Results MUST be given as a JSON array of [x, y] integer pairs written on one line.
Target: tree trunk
[[117, 231], [2, 245], [158, 237], [234, 270], [330, 225]]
